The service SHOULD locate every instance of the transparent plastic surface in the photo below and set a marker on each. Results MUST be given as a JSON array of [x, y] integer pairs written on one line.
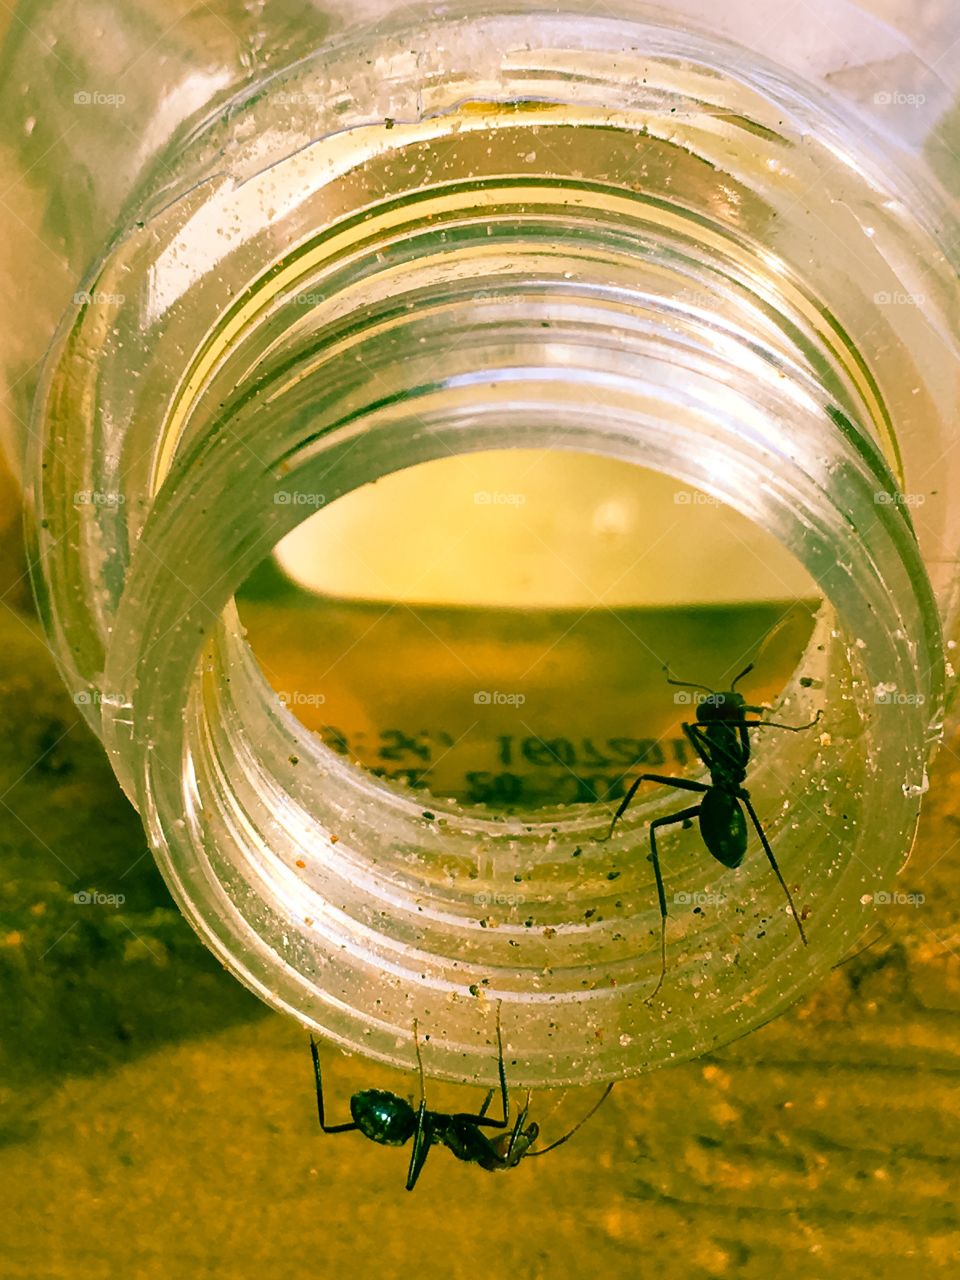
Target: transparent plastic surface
[[637, 237]]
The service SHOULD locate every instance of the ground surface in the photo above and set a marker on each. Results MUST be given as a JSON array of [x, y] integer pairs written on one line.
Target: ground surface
[[157, 1121]]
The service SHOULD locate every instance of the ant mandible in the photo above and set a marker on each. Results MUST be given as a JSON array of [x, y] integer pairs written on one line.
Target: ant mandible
[[391, 1121], [720, 737]]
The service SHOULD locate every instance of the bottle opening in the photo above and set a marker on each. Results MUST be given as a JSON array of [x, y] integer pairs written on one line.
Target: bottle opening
[[498, 628]]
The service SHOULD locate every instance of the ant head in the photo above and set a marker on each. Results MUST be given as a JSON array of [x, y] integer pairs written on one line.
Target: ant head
[[522, 1143], [383, 1117], [726, 705]]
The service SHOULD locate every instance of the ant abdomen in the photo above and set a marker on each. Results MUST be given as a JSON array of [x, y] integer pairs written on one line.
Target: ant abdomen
[[723, 827], [383, 1117]]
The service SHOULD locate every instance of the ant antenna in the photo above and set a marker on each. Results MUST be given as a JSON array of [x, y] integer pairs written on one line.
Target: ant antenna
[[860, 950], [746, 671], [687, 684], [769, 637], [579, 1125]]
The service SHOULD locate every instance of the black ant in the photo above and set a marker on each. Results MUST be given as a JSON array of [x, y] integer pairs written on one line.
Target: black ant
[[720, 738], [391, 1121]]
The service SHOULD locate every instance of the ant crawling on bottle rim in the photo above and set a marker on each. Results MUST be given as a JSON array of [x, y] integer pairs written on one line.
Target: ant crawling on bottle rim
[[720, 736], [391, 1121]]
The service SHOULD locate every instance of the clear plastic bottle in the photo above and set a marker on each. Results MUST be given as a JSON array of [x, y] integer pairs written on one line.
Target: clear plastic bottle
[[290, 250]]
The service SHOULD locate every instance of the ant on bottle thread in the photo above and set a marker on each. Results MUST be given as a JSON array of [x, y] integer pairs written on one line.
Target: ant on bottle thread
[[720, 737], [391, 1121]]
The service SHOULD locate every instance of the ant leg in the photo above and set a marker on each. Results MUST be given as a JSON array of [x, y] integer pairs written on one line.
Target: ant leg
[[706, 749], [504, 1096], [422, 1141], [416, 1045], [742, 795], [683, 816], [327, 1128], [624, 806], [682, 783], [518, 1127], [422, 1135], [480, 1117]]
